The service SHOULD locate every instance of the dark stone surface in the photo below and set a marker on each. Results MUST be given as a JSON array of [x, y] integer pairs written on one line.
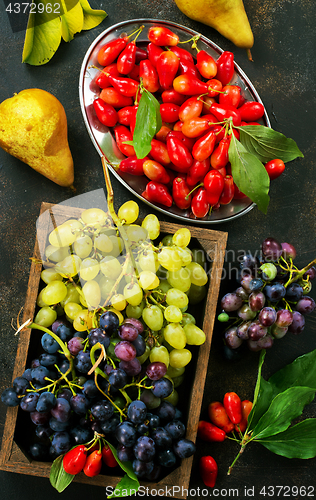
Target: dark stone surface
[[283, 73]]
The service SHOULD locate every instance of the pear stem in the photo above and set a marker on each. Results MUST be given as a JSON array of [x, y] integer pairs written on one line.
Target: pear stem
[[249, 55]]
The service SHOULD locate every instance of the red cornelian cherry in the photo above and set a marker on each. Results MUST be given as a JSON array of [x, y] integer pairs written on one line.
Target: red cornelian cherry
[[159, 35]]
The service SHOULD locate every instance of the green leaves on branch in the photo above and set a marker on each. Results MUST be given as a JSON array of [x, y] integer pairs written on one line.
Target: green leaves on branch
[[277, 402], [53, 22], [257, 146]]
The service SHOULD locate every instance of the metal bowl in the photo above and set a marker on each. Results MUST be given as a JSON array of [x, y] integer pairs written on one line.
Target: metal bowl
[[103, 139]]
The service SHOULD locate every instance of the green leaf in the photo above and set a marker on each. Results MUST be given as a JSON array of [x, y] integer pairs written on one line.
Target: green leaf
[[126, 466], [298, 441], [268, 144], [71, 22], [59, 478], [125, 487], [249, 174], [42, 39], [301, 372], [254, 410], [91, 17], [147, 124], [284, 408]]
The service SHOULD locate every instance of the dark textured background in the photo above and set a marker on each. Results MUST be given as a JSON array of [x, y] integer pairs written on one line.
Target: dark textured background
[[283, 73]]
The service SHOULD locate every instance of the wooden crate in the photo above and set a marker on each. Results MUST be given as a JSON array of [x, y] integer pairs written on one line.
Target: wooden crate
[[12, 458]]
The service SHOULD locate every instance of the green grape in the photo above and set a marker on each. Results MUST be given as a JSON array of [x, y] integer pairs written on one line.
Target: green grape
[[110, 267], [54, 292], [89, 269], [179, 358], [185, 308], [83, 246], [187, 318], [173, 314], [169, 258], [152, 401], [167, 240], [72, 309], [148, 261], [182, 237], [136, 233], [176, 297], [173, 398], [59, 309], [197, 293], [45, 316], [178, 381], [92, 294], [194, 334], [152, 226], [198, 255], [135, 311], [106, 286], [93, 216], [175, 336], [166, 344], [148, 280], [118, 314], [144, 356], [104, 243], [56, 254], [83, 301], [129, 274], [83, 320], [110, 350], [223, 317], [50, 274], [153, 317], [185, 255], [161, 272], [163, 287], [69, 266], [117, 244], [133, 294], [73, 294], [62, 236], [75, 224], [175, 372], [159, 353], [128, 212], [180, 279], [39, 300], [118, 302], [197, 274]]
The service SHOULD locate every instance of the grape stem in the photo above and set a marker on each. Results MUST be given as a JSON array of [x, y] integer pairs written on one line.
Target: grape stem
[[300, 273]]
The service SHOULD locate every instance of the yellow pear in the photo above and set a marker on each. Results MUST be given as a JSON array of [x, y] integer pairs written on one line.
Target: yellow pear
[[228, 17], [33, 128]]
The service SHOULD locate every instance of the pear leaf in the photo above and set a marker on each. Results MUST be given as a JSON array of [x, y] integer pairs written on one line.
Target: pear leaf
[[42, 39], [71, 22], [91, 17]]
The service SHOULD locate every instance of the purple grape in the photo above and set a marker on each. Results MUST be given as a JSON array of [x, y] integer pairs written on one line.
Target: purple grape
[[267, 316], [149, 399], [65, 393], [162, 388], [265, 342], [109, 322], [241, 292], [245, 283], [274, 292], [20, 384], [162, 438], [135, 322], [80, 435], [305, 305], [176, 429], [125, 433], [29, 402], [82, 362], [142, 469], [311, 273], [124, 453], [136, 411], [256, 330], [61, 410], [242, 330], [80, 404], [97, 335], [184, 448], [127, 332], [132, 368], [166, 458], [57, 426], [144, 449], [284, 318], [75, 345], [298, 323], [61, 442], [256, 301], [249, 264], [9, 397], [246, 313], [140, 345], [232, 339], [288, 251], [125, 351], [279, 331], [231, 302], [294, 292], [165, 411], [118, 378], [102, 410], [256, 284], [271, 249], [156, 370], [40, 417], [46, 402]]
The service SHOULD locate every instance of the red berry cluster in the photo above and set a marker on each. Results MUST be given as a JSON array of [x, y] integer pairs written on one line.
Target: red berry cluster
[[188, 163], [89, 460]]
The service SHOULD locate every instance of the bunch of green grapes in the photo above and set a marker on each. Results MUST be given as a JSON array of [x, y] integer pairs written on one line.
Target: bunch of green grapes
[[93, 265]]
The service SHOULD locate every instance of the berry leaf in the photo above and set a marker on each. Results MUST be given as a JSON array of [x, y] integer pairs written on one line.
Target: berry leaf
[[249, 174], [284, 408], [59, 478], [148, 122], [125, 487], [268, 144], [298, 441]]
